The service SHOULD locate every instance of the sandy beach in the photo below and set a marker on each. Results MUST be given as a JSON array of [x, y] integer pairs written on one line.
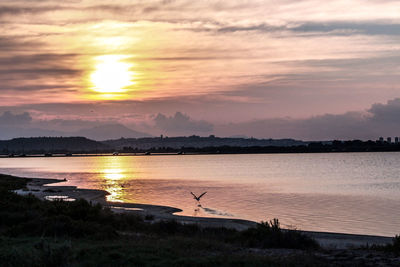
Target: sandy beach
[[38, 187]]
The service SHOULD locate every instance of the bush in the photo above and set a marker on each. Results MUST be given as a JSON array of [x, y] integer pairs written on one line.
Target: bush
[[270, 235]]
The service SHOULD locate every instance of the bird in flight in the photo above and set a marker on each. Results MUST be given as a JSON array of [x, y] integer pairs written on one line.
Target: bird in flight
[[197, 197]]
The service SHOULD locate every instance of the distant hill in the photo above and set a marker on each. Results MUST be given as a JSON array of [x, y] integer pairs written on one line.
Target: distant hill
[[9, 132], [190, 144], [110, 131], [198, 142], [51, 144], [101, 132]]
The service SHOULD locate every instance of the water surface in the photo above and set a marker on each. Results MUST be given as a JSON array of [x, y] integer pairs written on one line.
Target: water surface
[[335, 192]]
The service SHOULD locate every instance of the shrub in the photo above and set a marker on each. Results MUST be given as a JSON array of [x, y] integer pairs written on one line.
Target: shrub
[[270, 235]]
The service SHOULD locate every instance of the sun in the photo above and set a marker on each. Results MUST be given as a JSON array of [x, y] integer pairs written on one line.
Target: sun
[[112, 75]]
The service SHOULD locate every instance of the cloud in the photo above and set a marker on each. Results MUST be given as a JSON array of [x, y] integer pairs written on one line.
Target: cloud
[[345, 28], [37, 65], [42, 71], [17, 44], [388, 113], [7, 10], [37, 73], [379, 120], [349, 28], [181, 124], [23, 125], [230, 50], [8, 118], [263, 27]]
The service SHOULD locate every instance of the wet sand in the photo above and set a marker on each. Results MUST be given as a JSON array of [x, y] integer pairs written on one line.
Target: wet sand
[[38, 188]]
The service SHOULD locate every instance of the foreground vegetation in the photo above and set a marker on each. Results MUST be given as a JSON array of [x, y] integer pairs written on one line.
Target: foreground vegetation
[[44, 233]]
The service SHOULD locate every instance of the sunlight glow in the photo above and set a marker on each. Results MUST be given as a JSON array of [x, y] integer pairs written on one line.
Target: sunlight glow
[[112, 75], [114, 184], [113, 173]]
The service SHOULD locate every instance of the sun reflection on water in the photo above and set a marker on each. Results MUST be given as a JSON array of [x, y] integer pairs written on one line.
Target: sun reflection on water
[[113, 171], [113, 174]]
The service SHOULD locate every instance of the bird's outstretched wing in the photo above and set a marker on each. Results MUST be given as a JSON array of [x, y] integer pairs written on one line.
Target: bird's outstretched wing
[[195, 197], [202, 195]]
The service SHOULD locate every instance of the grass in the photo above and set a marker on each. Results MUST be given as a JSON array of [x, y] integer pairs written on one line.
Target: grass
[[134, 252], [45, 233]]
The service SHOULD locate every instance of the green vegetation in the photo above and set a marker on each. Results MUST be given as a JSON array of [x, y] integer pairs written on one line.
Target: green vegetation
[[44, 233]]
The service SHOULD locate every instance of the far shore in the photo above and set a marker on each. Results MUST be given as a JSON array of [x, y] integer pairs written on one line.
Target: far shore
[[147, 154], [38, 187]]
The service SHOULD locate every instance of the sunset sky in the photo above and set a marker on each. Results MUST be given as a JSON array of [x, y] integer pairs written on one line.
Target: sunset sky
[[292, 68]]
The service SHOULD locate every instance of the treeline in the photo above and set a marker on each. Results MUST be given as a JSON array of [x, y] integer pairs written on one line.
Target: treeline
[[43, 145], [313, 147], [198, 142], [52, 145]]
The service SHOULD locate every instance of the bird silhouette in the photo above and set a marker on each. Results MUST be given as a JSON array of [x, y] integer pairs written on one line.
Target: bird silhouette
[[197, 197]]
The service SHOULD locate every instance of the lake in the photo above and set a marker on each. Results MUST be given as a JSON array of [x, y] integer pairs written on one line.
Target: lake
[[335, 192]]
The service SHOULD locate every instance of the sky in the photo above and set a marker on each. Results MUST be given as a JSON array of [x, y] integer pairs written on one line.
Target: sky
[[304, 69]]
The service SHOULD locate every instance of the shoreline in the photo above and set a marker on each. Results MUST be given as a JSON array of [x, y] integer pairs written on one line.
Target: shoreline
[[139, 154], [38, 187]]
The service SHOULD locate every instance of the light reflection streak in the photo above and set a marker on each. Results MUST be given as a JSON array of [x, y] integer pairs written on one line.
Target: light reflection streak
[[113, 171]]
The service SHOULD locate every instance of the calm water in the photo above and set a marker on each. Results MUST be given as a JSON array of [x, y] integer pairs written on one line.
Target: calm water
[[342, 192]]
